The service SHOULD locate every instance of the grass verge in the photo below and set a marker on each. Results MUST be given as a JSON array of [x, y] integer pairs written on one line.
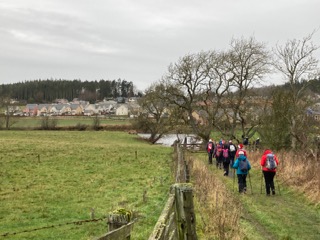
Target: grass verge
[[287, 215]]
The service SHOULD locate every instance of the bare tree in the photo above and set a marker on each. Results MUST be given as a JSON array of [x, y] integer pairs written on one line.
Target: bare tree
[[215, 85], [249, 62], [154, 117], [185, 83], [296, 62], [48, 123], [8, 120]]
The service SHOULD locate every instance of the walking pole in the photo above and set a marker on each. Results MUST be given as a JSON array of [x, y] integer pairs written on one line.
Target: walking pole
[[250, 182], [261, 182], [278, 186], [234, 178]]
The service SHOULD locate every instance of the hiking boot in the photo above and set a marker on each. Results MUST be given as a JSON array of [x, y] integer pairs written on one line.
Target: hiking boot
[[273, 192]]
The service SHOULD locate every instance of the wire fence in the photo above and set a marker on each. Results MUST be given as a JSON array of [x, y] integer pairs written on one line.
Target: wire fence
[[80, 222]]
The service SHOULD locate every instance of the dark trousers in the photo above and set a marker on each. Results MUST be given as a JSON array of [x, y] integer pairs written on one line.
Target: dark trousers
[[242, 182], [219, 161], [231, 160], [226, 163], [268, 179], [210, 157]]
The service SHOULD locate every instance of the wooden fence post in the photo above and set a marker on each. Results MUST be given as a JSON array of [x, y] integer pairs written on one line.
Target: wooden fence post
[[186, 219], [118, 218]]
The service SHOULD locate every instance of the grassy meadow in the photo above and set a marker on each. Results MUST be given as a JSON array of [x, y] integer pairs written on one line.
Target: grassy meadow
[[67, 121], [51, 178]]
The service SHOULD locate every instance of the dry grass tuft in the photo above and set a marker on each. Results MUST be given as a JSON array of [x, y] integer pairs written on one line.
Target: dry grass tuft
[[221, 212]]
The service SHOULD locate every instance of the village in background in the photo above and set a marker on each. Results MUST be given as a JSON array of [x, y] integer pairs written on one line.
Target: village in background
[[62, 107]]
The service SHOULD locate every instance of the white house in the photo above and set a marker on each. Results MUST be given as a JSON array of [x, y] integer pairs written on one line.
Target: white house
[[122, 110]]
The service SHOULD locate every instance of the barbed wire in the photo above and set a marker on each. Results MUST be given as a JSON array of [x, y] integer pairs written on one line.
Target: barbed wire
[[80, 222]]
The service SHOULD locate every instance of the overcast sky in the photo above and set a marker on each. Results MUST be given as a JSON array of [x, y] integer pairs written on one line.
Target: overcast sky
[[135, 40]]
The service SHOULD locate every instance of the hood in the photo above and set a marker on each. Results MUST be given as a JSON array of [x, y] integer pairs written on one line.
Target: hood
[[267, 151], [242, 157]]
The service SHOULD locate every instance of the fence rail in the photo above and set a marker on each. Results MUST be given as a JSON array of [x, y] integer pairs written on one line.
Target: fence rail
[[121, 233], [165, 228], [177, 220]]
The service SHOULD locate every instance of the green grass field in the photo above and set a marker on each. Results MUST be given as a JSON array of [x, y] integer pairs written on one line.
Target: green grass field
[[50, 178], [33, 122]]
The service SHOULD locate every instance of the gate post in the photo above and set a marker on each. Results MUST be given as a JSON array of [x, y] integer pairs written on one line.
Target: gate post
[[186, 219]]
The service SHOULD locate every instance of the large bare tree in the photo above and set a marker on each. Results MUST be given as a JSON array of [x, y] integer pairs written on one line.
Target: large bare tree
[[248, 62], [185, 82], [296, 62], [215, 85], [154, 117]]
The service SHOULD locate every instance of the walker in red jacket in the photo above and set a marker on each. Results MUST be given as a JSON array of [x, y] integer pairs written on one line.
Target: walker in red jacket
[[268, 172], [241, 148]]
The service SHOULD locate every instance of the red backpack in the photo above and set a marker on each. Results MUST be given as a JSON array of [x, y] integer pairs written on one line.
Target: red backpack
[[210, 146], [219, 150], [225, 152]]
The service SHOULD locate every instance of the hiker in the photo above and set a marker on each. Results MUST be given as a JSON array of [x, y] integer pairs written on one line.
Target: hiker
[[243, 166], [241, 148], [232, 152], [269, 163], [245, 140], [257, 143], [225, 159], [210, 149], [218, 154]]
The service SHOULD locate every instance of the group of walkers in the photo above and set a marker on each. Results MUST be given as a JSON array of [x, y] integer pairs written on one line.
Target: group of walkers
[[228, 155]]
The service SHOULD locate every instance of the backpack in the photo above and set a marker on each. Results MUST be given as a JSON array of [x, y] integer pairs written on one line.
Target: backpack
[[243, 165], [210, 147], [225, 152], [271, 162], [219, 150], [232, 148]]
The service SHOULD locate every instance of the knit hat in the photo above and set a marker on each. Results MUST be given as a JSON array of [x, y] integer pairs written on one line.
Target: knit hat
[[241, 153], [240, 145]]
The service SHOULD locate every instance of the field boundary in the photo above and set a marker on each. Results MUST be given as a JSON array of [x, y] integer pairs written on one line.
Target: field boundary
[[177, 220]]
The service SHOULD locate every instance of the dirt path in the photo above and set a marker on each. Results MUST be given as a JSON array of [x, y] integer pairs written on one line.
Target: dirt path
[[287, 215]]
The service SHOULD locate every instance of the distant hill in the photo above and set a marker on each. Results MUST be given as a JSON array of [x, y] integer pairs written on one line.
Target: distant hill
[[45, 91], [266, 91]]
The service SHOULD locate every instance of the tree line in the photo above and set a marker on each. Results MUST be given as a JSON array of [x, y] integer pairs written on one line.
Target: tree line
[[214, 92], [46, 91]]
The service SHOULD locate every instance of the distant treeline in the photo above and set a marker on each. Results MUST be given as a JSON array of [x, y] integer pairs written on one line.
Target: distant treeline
[[45, 91]]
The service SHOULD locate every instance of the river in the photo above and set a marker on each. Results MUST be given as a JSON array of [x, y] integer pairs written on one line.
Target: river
[[169, 139]]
